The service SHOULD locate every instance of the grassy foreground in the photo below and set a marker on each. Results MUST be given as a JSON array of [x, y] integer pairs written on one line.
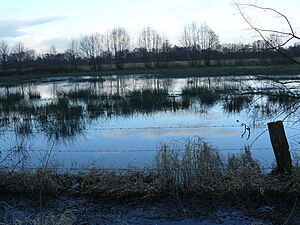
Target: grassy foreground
[[192, 169]]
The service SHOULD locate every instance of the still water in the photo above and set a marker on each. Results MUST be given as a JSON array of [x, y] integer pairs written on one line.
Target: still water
[[113, 122]]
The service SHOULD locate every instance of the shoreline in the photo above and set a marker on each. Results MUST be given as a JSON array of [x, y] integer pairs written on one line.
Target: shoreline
[[181, 72]]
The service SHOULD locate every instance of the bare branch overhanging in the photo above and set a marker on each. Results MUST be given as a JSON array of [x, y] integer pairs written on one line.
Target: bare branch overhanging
[[290, 35]]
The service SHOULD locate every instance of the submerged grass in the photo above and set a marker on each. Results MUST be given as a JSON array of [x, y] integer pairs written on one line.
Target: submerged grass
[[189, 168], [236, 103], [34, 95], [11, 98], [206, 95], [85, 94]]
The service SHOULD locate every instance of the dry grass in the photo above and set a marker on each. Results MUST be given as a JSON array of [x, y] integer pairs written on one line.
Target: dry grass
[[188, 167], [191, 166], [243, 175], [68, 217]]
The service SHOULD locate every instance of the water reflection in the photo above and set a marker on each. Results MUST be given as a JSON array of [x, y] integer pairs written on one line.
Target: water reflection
[[235, 103], [66, 111], [60, 120]]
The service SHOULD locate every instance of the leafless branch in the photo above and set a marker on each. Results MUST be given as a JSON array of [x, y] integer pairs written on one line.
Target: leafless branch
[[293, 210], [297, 107], [291, 35], [6, 157]]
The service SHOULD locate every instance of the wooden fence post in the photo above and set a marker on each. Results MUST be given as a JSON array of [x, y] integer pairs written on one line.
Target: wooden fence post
[[280, 147]]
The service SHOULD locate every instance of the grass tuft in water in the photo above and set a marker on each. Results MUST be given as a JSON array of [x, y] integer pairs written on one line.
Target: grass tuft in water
[[34, 95], [236, 103], [83, 94], [206, 95], [11, 98]]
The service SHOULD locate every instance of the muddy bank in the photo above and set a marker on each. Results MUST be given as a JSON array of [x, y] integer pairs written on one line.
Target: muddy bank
[[204, 209]]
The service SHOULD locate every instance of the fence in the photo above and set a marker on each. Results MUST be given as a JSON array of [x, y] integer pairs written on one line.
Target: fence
[[295, 151]]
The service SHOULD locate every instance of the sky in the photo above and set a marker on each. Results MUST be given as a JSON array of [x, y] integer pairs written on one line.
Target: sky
[[40, 24]]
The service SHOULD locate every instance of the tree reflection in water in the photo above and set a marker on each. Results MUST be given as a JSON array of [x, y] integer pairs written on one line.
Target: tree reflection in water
[[66, 115], [71, 111]]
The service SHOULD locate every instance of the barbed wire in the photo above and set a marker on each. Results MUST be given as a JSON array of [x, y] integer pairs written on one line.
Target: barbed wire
[[148, 128], [295, 150], [2, 129], [166, 127], [127, 169], [145, 150]]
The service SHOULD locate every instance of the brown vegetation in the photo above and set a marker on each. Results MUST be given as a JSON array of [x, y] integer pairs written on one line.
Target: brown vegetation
[[195, 168]]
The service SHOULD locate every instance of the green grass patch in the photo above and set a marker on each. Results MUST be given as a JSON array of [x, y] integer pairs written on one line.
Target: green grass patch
[[172, 72]]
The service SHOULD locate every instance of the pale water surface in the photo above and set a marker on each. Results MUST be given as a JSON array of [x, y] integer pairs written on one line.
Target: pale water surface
[[116, 122]]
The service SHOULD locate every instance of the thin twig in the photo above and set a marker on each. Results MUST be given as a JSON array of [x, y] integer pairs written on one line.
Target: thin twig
[[260, 31], [180, 204], [294, 207], [292, 33]]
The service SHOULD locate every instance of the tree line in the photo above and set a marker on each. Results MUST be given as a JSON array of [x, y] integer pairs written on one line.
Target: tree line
[[199, 46]]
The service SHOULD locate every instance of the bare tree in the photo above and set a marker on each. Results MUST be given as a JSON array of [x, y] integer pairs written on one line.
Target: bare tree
[[209, 40], [92, 47], [119, 43], [4, 51], [53, 50], [259, 45], [107, 54], [151, 43], [30, 56], [72, 52], [266, 51], [18, 51], [190, 39], [196, 38], [52, 55], [100, 46], [165, 52], [275, 40]]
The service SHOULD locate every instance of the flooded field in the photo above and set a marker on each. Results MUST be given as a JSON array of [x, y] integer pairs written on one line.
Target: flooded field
[[116, 122]]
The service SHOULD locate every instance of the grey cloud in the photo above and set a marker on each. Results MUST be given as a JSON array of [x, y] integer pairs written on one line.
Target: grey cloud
[[13, 27]]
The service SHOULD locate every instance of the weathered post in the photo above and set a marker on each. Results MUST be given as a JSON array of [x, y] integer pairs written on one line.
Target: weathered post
[[280, 147]]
